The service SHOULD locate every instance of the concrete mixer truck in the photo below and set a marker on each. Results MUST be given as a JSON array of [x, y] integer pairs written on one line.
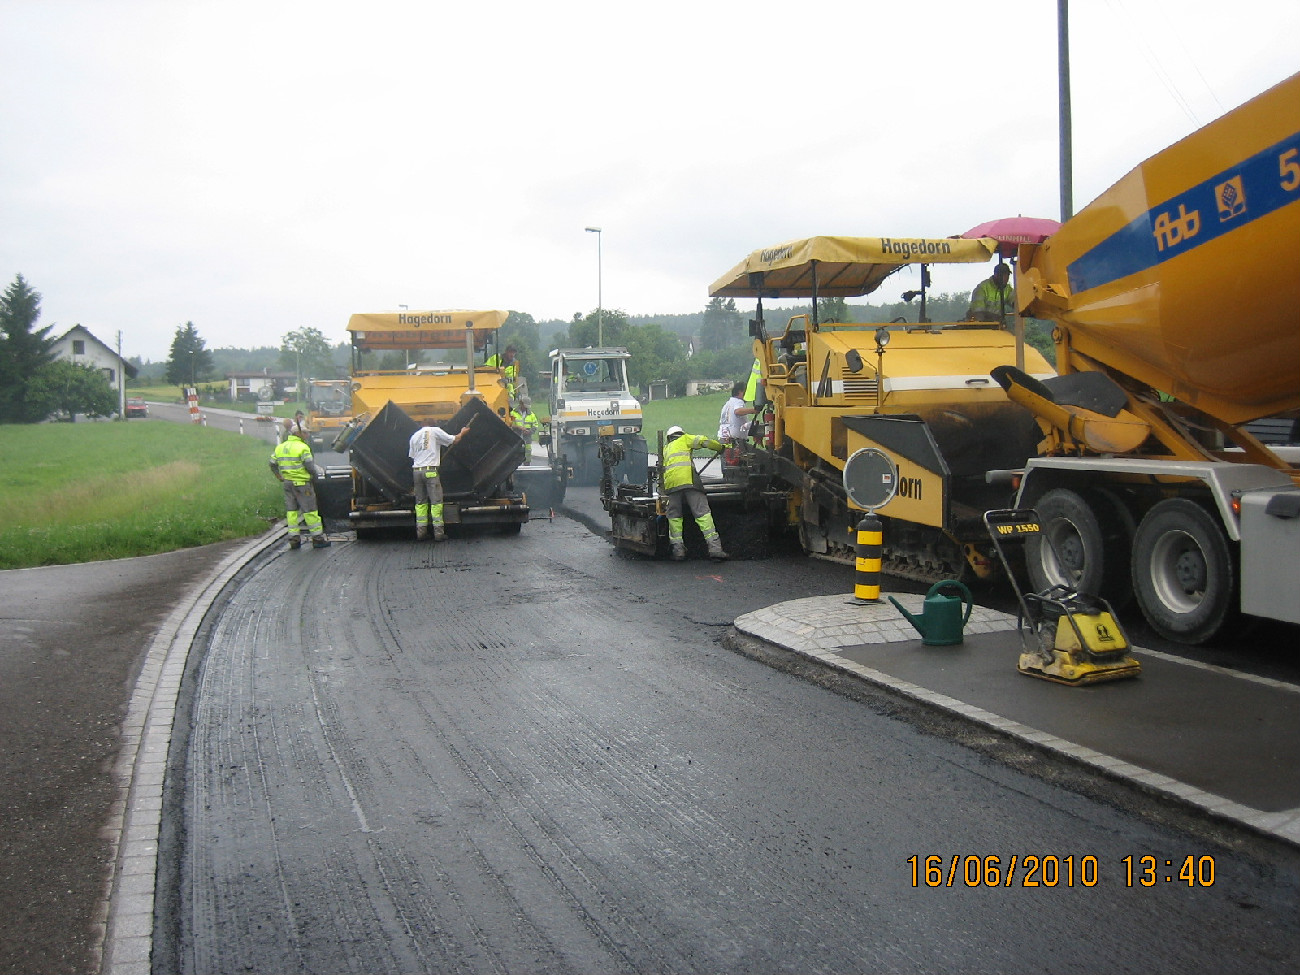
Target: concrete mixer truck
[[1176, 302]]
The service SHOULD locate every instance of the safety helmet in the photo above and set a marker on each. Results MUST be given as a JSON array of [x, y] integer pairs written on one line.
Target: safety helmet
[[673, 431], [525, 402]]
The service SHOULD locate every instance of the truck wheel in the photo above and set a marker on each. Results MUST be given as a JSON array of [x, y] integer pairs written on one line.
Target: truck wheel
[[1079, 560], [1183, 572]]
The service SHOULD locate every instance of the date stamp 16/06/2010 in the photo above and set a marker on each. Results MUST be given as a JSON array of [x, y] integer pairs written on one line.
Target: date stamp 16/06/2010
[[1033, 870]]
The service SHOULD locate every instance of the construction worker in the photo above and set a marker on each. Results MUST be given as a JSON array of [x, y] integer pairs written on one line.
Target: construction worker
[[509, 366], [425, 450], [298, 418], [733, 424], [294, 467], [993, 298], [525, 420], [755, 379], [680, 483]]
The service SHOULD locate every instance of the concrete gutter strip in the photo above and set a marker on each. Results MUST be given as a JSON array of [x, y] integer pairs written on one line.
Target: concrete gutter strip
[[138, 776]]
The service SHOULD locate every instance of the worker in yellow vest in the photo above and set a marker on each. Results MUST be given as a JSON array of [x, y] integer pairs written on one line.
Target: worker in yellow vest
[[681, 483], [993, 298], [524, 420], [508, 363], [294, 467]]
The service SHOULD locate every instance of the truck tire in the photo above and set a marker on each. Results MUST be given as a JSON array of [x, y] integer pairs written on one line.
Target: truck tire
[[1183, 572], [1075, 532]]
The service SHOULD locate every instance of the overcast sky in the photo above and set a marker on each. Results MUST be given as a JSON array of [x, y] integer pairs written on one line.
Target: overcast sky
[[261, 167]]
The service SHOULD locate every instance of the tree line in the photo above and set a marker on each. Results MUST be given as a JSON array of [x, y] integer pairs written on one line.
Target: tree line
[[710, 345]]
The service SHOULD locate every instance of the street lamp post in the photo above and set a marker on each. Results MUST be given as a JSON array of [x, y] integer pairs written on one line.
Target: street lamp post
[[600, 311]]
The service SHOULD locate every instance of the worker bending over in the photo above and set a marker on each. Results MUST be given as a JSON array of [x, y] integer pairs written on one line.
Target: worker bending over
[[680, 483], [425, 450]]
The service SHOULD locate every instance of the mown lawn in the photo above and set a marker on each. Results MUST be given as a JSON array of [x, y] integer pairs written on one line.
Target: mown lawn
[[82, 492], [694, 414]]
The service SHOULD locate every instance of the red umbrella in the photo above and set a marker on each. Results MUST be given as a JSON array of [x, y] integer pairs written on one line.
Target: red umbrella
[[1010, 231]]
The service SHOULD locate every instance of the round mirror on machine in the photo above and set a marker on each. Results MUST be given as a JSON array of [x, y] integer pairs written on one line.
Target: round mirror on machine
[[870, 478]]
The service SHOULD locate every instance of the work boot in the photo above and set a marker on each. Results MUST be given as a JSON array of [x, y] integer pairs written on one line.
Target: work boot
[[321, 542], [295, 541], [421, 533], [679, 553], [438, 533], [717, 554]]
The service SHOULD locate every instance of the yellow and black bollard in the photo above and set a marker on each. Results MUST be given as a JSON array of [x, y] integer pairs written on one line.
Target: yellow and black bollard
[[870, 551]]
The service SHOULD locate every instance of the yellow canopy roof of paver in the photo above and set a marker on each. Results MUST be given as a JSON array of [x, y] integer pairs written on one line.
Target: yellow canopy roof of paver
[[421, 329], [841, 267]]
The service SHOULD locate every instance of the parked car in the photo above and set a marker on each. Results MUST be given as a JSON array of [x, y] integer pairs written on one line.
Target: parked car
[[136, 406]]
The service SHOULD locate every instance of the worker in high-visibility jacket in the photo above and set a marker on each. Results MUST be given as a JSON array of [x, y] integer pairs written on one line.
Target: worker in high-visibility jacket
[[993, 298], [755, 378], [294, 467], [508, 363], [524, 420], [681, 483]]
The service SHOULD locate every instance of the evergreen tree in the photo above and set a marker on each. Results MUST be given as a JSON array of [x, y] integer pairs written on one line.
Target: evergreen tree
[[190, 361], [24, 351], [722, 326]]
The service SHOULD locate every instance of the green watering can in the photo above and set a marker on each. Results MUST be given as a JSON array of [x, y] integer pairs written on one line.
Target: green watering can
[[941, 619]]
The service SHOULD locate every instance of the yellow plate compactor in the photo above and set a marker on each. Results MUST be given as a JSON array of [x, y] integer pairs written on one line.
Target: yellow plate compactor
[[1065, 636]]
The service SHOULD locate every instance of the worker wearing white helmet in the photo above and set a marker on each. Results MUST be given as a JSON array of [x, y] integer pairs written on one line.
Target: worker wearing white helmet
[[680, 483], [525, 420]]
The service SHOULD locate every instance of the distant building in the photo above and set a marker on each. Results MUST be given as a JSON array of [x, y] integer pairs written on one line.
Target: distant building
[[265, 386], [79, 346]]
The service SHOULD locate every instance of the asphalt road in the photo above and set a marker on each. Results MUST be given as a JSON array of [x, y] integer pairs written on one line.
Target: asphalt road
[[531, 753]]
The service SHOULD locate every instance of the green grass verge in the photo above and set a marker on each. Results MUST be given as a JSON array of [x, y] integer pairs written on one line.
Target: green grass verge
[[694, 414], [83, 492], [176, 394]]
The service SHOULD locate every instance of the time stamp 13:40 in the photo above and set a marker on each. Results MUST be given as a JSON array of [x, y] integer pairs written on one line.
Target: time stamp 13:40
[[1029, 870]]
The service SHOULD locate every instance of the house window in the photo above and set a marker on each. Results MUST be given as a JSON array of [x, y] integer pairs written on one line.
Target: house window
[[78, 347]]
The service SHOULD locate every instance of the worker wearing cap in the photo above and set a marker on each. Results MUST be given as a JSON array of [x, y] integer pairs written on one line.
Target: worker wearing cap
[[993, 298], [425, 450], [679, 483], [298, 420], [525, 420], [509, 366], [294, 467]]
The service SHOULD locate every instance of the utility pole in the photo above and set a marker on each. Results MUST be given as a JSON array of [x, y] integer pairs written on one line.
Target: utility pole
[[1063, 97]]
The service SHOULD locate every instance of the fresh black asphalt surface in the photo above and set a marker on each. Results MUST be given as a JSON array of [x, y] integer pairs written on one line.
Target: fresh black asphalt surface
[[582, 780]]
